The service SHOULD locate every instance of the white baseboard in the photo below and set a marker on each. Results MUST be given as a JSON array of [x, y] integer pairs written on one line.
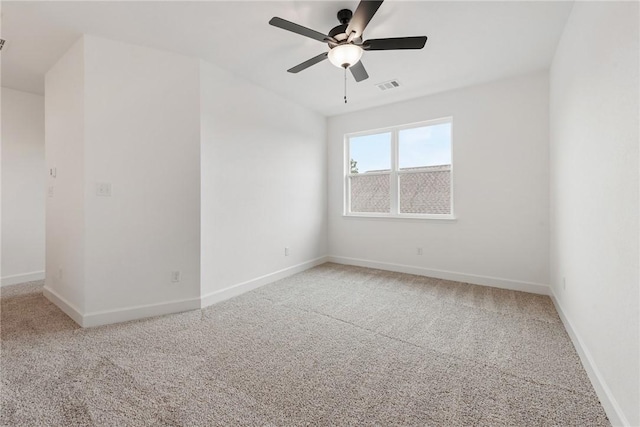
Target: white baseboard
[[240, 288], [22, 278], [608, 401], [495, 282], [64, 305], [107, 317], [143, 311]]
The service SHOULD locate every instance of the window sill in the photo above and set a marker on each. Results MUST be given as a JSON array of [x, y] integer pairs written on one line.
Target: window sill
[[451, 218]]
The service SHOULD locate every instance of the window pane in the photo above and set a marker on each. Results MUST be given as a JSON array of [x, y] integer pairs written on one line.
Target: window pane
[[370, 193], [370, 153], [424, 146], [427, 191]]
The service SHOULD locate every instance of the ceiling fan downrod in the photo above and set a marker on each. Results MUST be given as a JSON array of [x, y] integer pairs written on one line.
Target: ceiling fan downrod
[[345, 85]]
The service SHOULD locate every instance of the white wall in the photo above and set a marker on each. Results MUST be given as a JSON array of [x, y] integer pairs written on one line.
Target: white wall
[[500, 179], [142, 135], [263, 182], [128, 116], [594, 193], [64, 148], [138, 120], [23, 186]]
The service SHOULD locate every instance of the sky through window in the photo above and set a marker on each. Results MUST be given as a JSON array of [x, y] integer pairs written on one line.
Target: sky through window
[[418, 147]]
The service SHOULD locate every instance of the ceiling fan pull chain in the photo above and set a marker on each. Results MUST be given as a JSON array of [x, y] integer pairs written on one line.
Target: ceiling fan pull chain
[[345, 85]]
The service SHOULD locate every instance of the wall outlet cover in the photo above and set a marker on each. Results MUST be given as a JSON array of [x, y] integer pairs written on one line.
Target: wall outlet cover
[[103, 189]]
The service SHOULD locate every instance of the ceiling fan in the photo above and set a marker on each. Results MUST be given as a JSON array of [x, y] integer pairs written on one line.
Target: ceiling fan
[[345, 41]]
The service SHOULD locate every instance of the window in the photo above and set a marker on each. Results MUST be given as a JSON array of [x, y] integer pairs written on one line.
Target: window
[[404, 171]]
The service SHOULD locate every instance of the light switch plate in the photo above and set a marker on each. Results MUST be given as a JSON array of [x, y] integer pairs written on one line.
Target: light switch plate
[[103, 189], [176, 276]]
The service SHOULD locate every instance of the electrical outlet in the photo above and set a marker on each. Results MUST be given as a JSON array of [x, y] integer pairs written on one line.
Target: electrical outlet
[[419, 251], [286, 251], [50, 191], [175, 276], [60, 273], [103, 189]]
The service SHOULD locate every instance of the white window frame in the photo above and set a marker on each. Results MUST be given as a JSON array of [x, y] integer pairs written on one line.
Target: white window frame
[[394, 174]]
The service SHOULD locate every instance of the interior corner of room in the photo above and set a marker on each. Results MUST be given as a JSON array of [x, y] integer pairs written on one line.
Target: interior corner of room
[[141, 180]]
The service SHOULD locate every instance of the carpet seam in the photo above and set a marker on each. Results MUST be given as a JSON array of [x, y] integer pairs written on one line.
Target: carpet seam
[[457, 357]]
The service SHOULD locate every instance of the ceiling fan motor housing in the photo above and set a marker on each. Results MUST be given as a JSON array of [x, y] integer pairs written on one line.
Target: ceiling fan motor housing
[[339, 33]]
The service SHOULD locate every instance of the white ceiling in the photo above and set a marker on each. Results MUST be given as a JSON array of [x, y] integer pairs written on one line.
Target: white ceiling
[[469, 42]]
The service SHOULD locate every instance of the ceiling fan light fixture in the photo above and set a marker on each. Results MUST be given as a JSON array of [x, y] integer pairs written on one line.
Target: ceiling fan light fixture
[[345, 55]]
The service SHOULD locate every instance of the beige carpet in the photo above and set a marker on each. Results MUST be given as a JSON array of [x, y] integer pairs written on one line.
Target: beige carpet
[[334, 345]]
